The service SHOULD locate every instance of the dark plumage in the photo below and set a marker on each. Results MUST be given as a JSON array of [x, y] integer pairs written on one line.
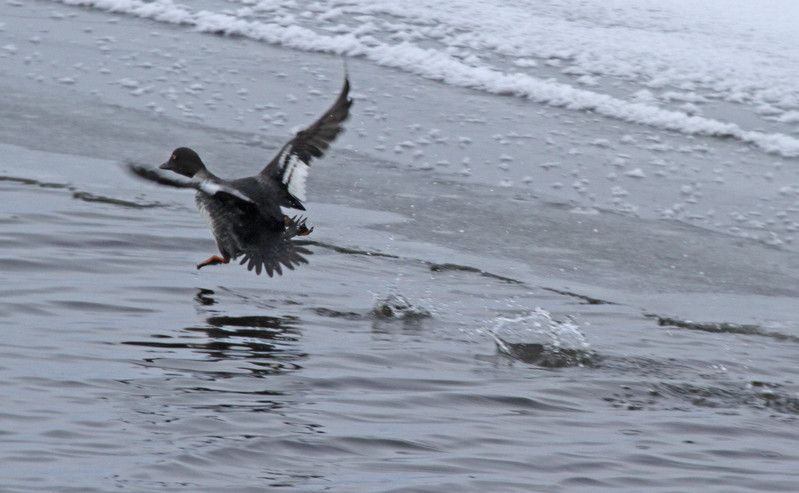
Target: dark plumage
[[245, 214]]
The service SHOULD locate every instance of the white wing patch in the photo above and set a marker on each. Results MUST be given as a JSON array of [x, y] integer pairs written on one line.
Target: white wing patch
[[209, 187], [212, 188], [295, 172]]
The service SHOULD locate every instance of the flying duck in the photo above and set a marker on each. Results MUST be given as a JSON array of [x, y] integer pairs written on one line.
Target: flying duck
[[245, 214]]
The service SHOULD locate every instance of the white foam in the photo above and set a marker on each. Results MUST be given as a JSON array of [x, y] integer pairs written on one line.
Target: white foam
[[701, 51]]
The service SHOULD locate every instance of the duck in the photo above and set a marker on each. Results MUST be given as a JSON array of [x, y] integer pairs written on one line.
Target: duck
[[246, 214]]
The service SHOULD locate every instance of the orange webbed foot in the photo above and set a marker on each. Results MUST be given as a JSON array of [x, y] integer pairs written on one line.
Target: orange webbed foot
[[214, 260]]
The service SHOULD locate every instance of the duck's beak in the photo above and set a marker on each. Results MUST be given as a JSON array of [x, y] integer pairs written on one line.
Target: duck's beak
[[166, 165]]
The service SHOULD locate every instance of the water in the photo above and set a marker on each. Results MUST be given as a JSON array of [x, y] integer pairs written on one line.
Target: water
[[449, 333]]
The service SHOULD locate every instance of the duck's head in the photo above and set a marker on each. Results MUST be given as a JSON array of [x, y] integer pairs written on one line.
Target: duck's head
[[184, 161]]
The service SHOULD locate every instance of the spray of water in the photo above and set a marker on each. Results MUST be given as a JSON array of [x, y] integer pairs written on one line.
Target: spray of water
[[538, 339]]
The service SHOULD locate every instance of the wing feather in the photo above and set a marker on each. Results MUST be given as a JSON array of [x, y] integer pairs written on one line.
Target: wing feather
[[290, 166], [208, 186]]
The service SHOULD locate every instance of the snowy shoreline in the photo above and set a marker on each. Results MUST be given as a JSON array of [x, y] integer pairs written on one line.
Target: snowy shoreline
[[472, 62]]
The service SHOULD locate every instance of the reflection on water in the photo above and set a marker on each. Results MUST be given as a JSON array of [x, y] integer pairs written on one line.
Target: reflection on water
[[265, 342], [205, 297]]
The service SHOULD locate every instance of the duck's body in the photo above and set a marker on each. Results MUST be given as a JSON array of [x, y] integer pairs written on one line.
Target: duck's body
[[245, 214]]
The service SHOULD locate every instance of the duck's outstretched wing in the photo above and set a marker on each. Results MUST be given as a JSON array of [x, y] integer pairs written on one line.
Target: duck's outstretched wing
[[289, 169], [209, 187]]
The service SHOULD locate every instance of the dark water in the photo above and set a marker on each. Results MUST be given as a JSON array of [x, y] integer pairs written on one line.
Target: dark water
[[410, 355]]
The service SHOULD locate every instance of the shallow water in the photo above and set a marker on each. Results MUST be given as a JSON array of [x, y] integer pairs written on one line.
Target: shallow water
[[409, 355], [123, 367]]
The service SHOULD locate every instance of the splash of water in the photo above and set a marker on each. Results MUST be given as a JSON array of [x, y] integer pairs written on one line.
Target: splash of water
[[396, 306], [538, 339]]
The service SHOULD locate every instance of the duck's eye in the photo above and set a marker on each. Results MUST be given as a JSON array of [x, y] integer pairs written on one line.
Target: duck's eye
[[173, 158]]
